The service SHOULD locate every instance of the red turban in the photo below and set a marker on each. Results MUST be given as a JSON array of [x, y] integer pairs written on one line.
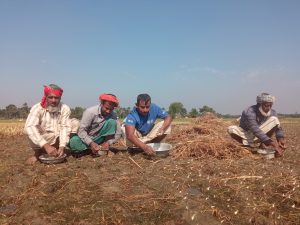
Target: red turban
[[51, 89], [110, 98]]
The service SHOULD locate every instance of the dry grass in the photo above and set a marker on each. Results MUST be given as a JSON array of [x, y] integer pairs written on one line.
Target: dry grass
[[197, 185], [205, 136], [11, 128]]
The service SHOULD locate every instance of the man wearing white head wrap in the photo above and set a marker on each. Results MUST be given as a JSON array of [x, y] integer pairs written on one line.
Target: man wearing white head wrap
[[258, 123], [265, 97]]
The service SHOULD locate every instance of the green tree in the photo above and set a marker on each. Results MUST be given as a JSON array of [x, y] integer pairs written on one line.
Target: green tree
[[122, 112], [193, 113], [176, 109], [24, 111], [11, 111], [205, 109], [2, 113], [77, 112]]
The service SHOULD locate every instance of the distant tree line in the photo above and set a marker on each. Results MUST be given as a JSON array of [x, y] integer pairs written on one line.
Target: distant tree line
[[13, 112], [176, 110]]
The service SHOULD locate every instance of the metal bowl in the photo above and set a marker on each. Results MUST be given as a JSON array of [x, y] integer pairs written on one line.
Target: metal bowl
[[161, 149], [51, 159], [267, 153]]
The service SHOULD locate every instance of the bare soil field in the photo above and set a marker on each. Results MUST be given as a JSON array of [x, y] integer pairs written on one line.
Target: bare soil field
[[133, 189]]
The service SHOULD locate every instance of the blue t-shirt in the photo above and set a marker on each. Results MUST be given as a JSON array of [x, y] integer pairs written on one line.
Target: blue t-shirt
[[144, 124]]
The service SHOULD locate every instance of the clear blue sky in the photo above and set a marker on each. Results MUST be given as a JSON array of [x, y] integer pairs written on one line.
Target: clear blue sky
[[215, 52]]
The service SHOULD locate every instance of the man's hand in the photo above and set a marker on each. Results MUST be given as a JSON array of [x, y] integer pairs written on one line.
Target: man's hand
[[61, 151], [52, 151], [281, 143], [95, 147], [279, 151], [148, 150], [105, 146]]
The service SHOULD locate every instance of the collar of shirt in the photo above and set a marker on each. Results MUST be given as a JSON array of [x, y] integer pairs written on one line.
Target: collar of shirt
[[99, 112]]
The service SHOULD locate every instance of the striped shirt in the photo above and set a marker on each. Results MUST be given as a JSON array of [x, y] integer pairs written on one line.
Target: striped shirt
[[92, 122], [40, 123]]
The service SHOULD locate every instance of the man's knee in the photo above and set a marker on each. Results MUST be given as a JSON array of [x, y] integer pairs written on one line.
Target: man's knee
[[76, 144], [275, 120], [232, 129], [75, 124]]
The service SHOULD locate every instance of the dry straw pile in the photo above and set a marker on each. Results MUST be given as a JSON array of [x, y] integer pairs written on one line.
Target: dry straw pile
[[206, 136]]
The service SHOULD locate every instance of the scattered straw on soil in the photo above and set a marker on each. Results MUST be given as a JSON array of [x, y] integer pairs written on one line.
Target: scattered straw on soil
[[131, 189]]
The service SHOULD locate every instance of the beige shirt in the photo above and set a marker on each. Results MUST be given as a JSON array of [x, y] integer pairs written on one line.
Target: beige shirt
[[41, 124]]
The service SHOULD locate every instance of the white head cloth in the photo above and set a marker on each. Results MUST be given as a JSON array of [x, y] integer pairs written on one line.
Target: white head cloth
[[265, 97]]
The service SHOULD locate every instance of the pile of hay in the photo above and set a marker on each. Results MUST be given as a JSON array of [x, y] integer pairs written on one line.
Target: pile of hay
[[206, 136]]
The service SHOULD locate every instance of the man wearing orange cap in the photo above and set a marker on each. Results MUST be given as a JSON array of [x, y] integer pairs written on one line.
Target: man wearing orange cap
[[98, 128], [48, 125]]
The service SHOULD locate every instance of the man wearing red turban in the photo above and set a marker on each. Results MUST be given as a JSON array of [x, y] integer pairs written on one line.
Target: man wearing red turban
[[98, 128], [48, 125], [53, 90]]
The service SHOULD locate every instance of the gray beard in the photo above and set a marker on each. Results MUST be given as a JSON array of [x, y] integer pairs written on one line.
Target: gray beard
[[263, 113], [53, 109]]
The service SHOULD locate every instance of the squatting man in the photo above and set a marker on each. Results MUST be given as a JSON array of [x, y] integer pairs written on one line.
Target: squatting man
[[258, 123], [48, 124], [140, 127]]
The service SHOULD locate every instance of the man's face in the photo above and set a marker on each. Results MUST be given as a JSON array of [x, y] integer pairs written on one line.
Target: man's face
[[107, 108], [266, 106], [143, 107], [52, 100]]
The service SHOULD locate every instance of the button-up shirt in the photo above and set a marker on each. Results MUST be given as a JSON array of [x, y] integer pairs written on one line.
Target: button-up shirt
[[92, 122], [40, 122]]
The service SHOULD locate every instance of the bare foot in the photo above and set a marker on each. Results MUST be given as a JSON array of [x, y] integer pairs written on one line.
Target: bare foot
[[32, 160]]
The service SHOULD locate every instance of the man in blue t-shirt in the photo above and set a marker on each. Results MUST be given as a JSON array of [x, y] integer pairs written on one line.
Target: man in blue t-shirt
[[140, 127]]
